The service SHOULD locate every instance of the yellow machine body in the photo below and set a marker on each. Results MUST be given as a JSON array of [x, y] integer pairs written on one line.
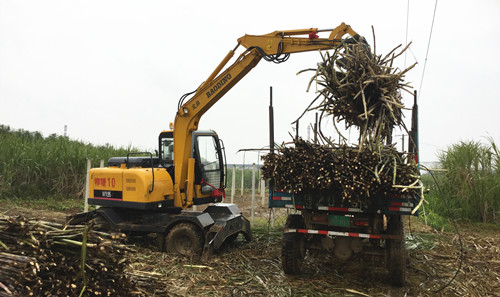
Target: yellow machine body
[[122, 186]]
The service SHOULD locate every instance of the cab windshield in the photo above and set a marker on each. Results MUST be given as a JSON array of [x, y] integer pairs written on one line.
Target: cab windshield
[[167, 150]]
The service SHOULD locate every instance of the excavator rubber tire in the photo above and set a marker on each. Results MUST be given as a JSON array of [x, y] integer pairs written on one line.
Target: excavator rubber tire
[[100, 223], [396, 252], [185, 239]]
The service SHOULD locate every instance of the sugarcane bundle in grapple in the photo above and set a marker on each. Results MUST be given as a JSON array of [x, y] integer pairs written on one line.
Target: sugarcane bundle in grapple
[[362, 90]]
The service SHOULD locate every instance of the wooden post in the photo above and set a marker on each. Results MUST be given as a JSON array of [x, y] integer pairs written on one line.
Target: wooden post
[[253, 193], [263, 191], [243, 176], [258, 172], [233, 183], [86, 204], [259, 187]]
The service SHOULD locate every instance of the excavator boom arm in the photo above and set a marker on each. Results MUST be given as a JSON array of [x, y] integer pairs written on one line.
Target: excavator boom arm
[[286, 42], [273, 46]]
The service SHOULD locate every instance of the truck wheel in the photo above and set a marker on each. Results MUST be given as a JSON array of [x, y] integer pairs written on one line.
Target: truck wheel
[[396, 251], [294, 221], [292, 253], [184, 239], [293, 246]]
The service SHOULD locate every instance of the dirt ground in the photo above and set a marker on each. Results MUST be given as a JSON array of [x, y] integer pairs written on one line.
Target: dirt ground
[[254, 268]]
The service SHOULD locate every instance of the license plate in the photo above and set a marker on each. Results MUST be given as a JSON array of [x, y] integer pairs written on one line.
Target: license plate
[[341, 221]]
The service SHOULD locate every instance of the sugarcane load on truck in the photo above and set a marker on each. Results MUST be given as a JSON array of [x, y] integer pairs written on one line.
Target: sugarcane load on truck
[[350, 198]]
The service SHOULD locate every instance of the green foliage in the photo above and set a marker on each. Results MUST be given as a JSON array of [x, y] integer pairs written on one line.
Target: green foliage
[[434, 212], [470, 184], [43, 203], [261, 231], [247, 179], [33, 166]]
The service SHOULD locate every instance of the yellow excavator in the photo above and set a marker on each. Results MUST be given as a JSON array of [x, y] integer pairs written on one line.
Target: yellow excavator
[[153, 194]]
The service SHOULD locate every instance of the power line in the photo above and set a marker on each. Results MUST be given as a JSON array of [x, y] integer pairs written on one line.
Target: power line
[[428, 46]]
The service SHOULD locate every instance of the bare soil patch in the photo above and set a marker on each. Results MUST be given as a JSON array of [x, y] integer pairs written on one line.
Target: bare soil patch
[[8, 209]]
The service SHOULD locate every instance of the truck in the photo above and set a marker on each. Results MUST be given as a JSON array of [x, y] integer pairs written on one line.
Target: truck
[[154, 194], [345, 230]]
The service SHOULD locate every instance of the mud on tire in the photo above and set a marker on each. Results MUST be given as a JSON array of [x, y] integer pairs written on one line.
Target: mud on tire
[[184, 239]]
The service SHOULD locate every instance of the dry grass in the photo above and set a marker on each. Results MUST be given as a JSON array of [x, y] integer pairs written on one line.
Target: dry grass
[[253, 269], [479, 275]]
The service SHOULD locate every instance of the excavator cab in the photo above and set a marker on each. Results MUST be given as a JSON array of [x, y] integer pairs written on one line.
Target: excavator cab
[[166, 155], [209, 164], [166, 144]]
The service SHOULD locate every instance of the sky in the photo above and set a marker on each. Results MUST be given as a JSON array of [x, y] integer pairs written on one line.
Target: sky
[[112, 71]]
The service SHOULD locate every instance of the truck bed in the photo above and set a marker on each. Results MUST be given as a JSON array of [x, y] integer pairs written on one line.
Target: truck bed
[[402, 204]]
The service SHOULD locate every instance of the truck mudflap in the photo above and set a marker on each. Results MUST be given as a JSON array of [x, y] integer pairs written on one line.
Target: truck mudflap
[[229, 222], [339, 233]]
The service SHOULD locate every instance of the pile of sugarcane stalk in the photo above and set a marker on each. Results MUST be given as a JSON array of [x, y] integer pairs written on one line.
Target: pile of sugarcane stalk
[[345, 174], [40, 258], [363, 90]]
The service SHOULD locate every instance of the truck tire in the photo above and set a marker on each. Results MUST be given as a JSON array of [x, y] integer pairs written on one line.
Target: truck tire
[[396, 252], [184, 239], [293, 246], [292, 253], [294, 221]]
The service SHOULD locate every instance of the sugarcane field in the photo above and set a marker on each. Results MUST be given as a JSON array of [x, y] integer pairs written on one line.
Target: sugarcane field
[[337, 177]]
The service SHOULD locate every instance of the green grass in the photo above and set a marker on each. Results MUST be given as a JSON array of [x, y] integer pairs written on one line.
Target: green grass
[[262, 232], [48, 203], [33, 166], [469, 188], [436, 221]]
